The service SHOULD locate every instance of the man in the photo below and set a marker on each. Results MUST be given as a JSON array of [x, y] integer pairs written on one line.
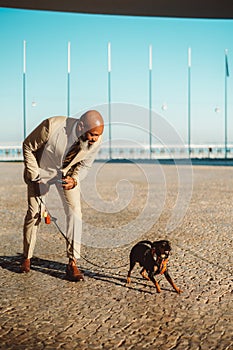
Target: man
[[59, 152]]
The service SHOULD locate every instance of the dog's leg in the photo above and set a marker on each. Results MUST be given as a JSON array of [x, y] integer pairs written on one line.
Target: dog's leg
[[157, 287], [132, 264], [144, 274], [151, 278], [128, 277], [156, 283], [169, 279]]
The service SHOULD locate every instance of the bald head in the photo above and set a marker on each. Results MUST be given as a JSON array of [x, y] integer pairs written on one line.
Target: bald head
[[91, 126], [91, 119]]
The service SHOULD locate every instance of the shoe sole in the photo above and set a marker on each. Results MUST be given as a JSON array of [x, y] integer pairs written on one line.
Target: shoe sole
[[74, 279]]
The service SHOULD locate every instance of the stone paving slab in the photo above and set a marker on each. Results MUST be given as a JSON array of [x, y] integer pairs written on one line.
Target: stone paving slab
[[42, 310]]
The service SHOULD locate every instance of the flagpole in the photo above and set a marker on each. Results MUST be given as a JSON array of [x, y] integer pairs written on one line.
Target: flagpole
[[189, 101], [109, 101], [150, 100], [68, 80], [226, 76], [24, 90]]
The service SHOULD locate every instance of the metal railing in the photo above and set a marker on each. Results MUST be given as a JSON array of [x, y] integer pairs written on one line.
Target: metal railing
[[14, 153]]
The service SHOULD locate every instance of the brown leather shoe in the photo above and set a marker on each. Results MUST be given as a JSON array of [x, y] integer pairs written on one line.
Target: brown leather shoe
[[25, 267], [73, 273]]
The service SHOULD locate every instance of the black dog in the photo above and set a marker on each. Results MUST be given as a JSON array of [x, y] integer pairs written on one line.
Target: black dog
[[153, 258]]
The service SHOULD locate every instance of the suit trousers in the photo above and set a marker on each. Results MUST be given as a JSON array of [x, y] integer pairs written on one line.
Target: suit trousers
[[72, 207]]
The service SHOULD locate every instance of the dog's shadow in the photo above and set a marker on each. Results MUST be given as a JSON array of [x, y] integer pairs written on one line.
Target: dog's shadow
[[57, 270]]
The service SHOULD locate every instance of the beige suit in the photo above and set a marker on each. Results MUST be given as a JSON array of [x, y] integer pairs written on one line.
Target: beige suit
[[44, 151]]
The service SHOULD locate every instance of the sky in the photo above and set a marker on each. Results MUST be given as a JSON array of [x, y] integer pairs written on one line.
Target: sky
[[47, 35]]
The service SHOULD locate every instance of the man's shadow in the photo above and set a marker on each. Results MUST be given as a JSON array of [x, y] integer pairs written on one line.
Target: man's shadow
[[55, 269], [58, 270]]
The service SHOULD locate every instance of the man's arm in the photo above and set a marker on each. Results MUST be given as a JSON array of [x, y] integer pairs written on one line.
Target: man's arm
[[34, 141], [79, 172]]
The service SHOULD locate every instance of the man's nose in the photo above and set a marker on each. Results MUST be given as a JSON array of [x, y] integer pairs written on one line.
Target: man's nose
[[94, 138]]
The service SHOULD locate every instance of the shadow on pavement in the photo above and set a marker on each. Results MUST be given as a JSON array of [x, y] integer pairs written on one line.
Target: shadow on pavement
[[11, 263], [49, 267], [57, 270]]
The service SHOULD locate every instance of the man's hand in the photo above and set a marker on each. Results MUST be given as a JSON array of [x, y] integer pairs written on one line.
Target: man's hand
[[41, 188], [69, 183]]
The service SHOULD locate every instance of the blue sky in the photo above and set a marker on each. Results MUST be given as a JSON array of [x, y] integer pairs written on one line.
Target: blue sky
[[47, 35]]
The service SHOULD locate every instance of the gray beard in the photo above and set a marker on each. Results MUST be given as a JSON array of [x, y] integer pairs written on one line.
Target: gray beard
[[84, 145]]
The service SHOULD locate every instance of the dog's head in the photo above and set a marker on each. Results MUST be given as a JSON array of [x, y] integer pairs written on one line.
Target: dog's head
[[162, 248]]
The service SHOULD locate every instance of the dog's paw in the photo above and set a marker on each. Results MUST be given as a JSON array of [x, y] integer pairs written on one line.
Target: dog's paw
[[127, 281], [179, 291]]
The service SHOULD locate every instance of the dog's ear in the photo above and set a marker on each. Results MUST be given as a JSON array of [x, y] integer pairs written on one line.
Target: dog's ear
[[155, 244], [166, 243]]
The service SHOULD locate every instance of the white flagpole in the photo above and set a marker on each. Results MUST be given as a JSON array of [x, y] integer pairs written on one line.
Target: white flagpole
[[24, 90], [68, 80], [226, 76], [189, 101], [109, 100], [150, 100]]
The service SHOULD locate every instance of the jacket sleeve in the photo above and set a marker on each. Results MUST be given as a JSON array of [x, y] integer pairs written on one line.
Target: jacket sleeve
[[34, 141]]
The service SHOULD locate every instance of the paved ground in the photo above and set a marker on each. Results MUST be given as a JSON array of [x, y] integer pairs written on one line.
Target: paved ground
[[42, 310]]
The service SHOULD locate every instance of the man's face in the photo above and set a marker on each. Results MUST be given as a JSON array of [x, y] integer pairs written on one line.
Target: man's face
[[93, 135]]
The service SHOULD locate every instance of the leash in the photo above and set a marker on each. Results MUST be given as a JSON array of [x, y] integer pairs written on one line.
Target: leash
[[49, 218]]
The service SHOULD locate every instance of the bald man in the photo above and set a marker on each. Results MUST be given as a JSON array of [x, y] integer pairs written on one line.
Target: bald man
[[59, 152]]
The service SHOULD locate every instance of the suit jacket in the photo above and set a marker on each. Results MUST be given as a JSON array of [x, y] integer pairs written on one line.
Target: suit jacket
[[45, 148]]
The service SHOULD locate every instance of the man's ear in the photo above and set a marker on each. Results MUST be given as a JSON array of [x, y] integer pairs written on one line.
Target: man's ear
[[81, 127], [81, 124]]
